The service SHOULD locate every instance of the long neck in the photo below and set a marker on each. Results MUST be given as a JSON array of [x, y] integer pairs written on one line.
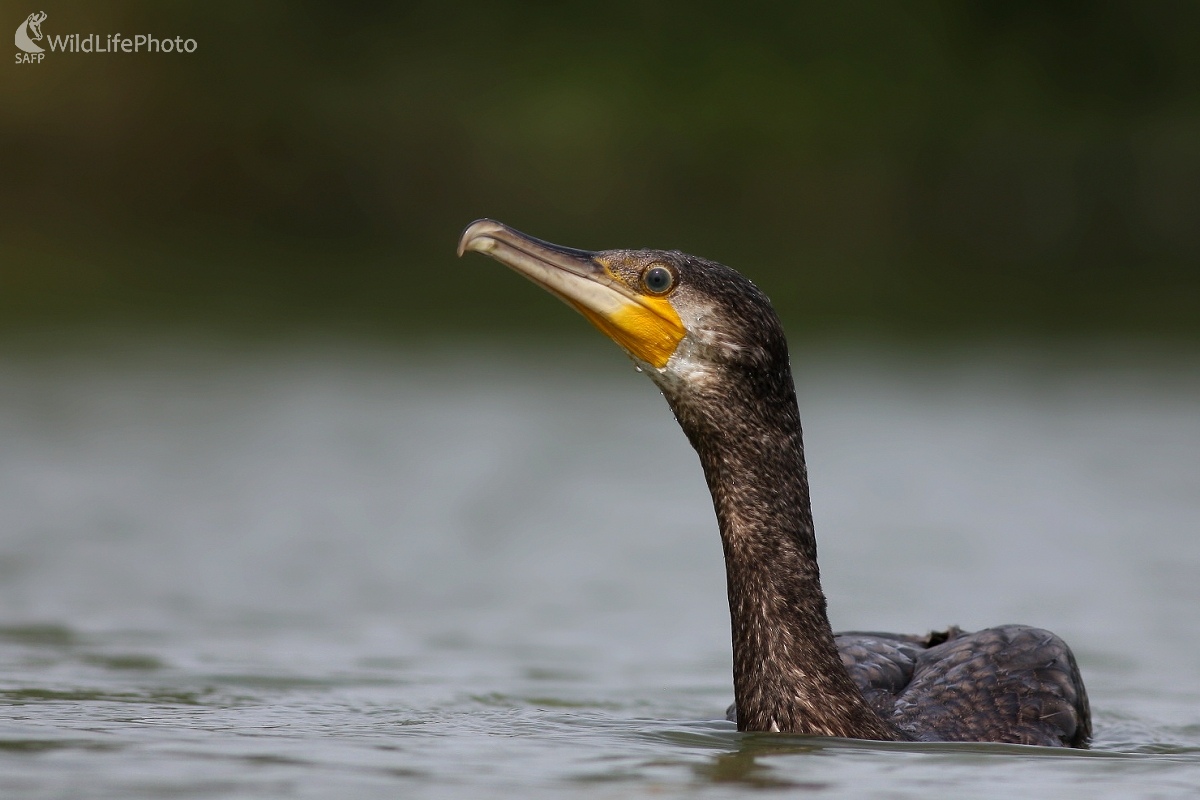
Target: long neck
[[787, 674]]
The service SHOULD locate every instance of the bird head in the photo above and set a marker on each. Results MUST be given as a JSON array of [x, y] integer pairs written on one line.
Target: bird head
[[687, 322]]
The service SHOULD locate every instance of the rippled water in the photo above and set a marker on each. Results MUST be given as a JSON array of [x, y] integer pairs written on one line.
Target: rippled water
[[319, 571]]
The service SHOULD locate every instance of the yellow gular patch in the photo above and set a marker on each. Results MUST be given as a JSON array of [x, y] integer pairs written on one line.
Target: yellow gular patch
[[647, 327]]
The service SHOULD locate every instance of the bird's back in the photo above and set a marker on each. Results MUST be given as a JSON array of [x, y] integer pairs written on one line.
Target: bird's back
[[1012, 684]]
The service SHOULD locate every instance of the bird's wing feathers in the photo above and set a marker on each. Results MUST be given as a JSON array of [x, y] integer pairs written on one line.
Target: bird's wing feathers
[[880, 664], [1008, 684], [1013, 684]]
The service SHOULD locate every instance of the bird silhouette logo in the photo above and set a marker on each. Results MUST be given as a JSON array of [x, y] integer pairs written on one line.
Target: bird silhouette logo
[[30, 31]]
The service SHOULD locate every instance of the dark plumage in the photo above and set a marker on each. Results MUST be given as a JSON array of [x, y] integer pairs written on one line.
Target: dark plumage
[[1012, 684], [712, 343]]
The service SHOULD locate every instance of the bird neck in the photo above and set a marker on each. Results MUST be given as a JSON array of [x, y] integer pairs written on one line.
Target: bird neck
[[787, 673]]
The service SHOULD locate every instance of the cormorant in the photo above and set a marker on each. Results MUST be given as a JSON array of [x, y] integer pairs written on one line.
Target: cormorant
[[711, 341]]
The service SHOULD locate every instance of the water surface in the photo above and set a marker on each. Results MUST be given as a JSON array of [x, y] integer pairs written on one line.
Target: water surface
[[329, 570]]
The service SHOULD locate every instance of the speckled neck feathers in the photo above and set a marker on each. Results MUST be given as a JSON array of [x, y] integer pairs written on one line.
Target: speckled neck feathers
[[743, 421]]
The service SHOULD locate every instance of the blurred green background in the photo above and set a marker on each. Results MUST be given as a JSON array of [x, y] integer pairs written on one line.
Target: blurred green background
[[942, 169]]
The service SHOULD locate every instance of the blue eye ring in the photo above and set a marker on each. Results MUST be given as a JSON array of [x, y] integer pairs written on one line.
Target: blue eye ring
[[658, 279]]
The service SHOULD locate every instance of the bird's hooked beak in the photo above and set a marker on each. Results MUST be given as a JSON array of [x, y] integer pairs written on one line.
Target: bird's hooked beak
[[646, 326]]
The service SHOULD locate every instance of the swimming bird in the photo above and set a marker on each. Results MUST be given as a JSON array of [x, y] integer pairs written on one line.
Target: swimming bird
[[711, 341]]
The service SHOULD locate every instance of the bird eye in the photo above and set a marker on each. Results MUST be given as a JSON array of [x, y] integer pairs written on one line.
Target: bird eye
[[658, 280]]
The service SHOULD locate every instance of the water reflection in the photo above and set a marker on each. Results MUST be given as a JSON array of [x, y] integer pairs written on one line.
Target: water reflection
[[745, 764]]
